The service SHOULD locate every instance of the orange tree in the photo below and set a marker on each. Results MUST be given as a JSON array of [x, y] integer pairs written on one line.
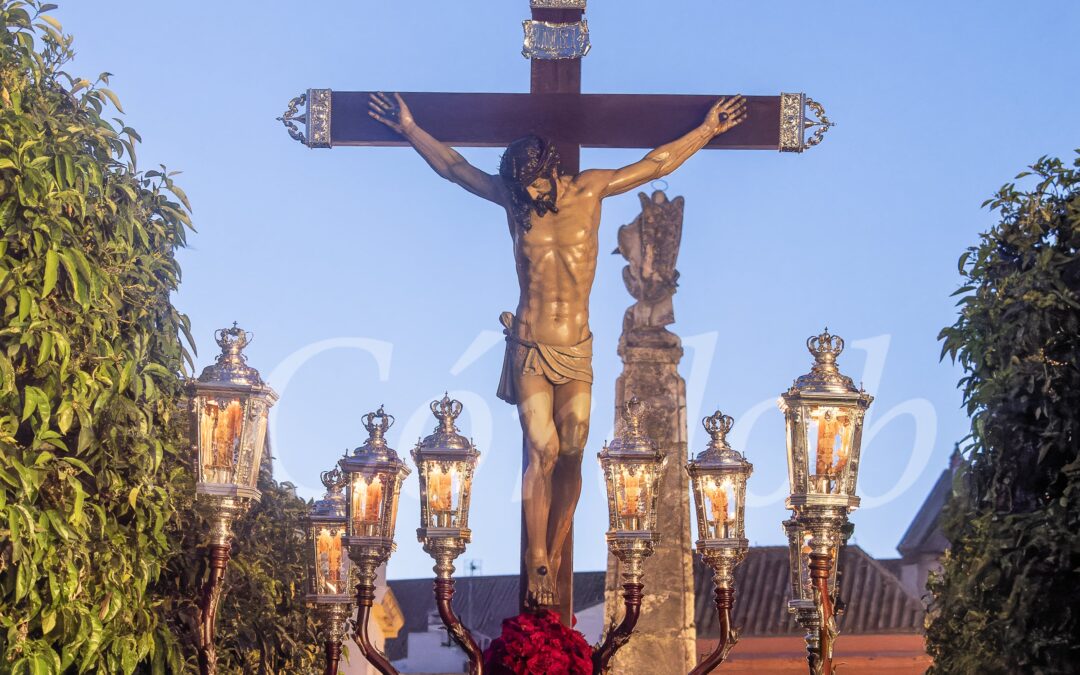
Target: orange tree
[[98, 545], [1008, 597]]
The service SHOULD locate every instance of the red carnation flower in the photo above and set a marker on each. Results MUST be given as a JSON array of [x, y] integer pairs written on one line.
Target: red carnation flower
[[538, 644]]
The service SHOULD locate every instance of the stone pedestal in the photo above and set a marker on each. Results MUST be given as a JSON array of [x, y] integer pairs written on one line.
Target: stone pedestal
[[664, 642]]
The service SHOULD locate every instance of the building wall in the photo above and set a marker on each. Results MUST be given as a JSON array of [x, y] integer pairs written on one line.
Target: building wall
[[903, 654]]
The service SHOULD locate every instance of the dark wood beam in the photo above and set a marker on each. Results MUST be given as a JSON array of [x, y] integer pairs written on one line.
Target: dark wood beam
[[589, 120]]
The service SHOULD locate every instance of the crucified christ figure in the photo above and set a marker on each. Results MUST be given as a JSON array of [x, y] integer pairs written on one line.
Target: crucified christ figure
[[553, 220]]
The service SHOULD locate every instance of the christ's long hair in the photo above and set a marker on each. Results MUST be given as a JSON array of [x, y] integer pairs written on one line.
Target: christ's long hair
[[525, 160]]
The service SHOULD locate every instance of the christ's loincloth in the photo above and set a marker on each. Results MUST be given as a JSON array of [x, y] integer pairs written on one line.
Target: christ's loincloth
[[556, 363]]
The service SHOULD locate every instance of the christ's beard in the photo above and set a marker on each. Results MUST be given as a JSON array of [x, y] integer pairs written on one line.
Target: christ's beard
[[544, 203]]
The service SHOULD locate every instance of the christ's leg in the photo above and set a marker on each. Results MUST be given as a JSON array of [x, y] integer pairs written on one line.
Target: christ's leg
[[573, 402], [542, 444]]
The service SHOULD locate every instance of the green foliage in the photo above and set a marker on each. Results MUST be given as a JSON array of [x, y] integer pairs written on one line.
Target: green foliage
[[1008, 597], [89, 366], [263, 625], [101, 550]]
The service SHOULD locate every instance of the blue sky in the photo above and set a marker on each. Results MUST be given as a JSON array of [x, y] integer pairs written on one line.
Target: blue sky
[[367, 279]]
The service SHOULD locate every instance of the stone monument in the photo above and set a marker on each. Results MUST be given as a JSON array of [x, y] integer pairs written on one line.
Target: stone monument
[[664, 641]]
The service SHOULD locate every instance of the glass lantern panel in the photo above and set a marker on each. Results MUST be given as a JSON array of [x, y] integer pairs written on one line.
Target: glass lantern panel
[[331, 563], [444, 492], [829, 433], [367, 505], [251, 449], [635, 486], [221, 425], [721, 500]]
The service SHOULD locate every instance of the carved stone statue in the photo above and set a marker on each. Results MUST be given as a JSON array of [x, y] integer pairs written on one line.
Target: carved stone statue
[[650, 245], [553, 219]]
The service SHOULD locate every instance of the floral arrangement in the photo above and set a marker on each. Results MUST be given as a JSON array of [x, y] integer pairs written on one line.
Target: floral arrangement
[[535, 644]]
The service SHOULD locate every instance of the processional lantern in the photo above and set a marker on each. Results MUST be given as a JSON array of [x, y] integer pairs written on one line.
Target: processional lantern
[[373, 477], [718, 478], [445, 463], [824, 414], [329, 566], [632, 466], [230, 405]]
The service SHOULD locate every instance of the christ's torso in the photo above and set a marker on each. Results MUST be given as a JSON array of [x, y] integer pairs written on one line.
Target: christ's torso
[[556, 264]]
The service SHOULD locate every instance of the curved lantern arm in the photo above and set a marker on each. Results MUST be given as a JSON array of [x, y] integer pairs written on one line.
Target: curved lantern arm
[[365, 597], [728, 635], [620, 635], [444, 594], [209, 597]]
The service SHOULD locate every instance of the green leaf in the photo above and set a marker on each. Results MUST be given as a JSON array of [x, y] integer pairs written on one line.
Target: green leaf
[[52, 264], [112, 97]]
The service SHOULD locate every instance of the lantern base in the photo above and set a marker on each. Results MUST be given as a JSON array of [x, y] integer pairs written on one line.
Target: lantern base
[[819, 501], [227, 491]]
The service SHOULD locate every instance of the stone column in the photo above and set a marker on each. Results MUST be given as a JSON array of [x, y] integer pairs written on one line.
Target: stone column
[[665, 640]]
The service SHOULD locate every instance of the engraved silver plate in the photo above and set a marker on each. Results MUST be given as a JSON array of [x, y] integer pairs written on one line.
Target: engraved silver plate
[[791, 122], [794, 122], [316, 118], [551, 41], [557, 4]]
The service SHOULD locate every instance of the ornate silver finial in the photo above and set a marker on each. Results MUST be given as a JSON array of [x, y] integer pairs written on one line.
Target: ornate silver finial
[[719, 453], [377, 424], [825, 348], [316, 118], [375, 448], [824, 376], [633, 413], [794, 122], [333, 480], [823, 123], [231, 364], [446, 411], [333, 502], [292, 116], [632, 440], [718, 425], [445, 437]]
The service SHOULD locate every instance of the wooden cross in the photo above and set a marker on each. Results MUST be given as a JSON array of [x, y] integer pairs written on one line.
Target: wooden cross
[[556, 109]]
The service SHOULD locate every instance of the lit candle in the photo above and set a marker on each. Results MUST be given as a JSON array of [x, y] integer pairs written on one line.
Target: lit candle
[[826, 441], [722, 500], [632, 488], [844, 424], [440, 495], [367, 497]]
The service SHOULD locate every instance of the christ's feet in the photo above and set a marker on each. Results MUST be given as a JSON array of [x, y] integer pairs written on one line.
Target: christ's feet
[[541, 584]]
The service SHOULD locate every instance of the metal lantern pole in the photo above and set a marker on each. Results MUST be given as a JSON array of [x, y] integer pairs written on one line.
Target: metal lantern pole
[[824, 413], [230, 404], [632, 466], [374, 475], [329, 566], [718, 478], [445, 462]]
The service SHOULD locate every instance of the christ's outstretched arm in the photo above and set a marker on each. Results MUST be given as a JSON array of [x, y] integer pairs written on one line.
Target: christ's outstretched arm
[[446, 161], [724, 115]]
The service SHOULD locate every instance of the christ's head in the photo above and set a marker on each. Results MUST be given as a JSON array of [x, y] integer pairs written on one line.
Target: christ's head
[[530, 169]]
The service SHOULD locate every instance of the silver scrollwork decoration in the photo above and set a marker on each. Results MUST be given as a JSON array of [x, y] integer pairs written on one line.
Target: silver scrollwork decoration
[[292, 115], [552, 41], [794, 122], [557, 4], [316, 119]]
